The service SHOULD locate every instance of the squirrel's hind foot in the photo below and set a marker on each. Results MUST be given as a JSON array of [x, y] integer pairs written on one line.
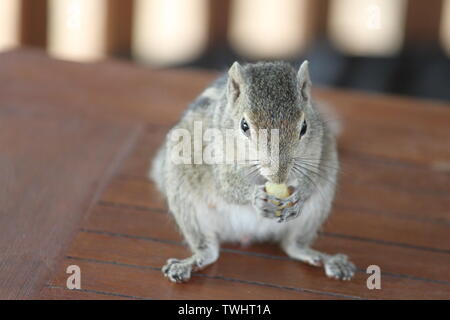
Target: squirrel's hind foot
[[177, 270], [336, 266], [339, 267]]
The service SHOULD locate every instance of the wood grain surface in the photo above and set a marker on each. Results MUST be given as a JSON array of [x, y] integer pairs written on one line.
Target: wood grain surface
[[68, 129]]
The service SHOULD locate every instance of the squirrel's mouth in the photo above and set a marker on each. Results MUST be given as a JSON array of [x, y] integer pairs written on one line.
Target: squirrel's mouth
[[276, 174]]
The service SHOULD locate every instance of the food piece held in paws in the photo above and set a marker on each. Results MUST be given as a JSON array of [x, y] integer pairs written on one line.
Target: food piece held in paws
[[277, 190], [280, 191]]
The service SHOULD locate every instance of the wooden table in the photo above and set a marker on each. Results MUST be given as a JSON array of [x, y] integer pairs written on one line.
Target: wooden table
[[75, 143]]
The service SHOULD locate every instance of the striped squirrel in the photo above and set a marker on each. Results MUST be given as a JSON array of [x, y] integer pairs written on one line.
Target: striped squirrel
[[228, 202]]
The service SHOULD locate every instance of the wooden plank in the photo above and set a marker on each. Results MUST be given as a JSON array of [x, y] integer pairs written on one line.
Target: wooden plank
[[133, 192], [365, 169], [119, 18], [138, 163], [409, 145], [316, 20], [219, 16], [260, 269], [423, 23], [147, 282], [52, 168], [68, 88], [389, 229], [34, 23], [398, 254], [400, 203], [394, 128], [132, 222], [62, 293]]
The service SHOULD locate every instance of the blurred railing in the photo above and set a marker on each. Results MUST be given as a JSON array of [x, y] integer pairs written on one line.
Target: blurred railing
[[168, 32]]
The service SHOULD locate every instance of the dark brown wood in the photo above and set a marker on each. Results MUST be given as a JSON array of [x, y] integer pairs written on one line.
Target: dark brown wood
[[51, 169], [34, 22], [392, 127], [242, 267], [427, 207], [122, 90], [159, 226], [316, 19], [423, 22], [145, 282], [119, 27], [62, 293], [219, 16], [67, 127]]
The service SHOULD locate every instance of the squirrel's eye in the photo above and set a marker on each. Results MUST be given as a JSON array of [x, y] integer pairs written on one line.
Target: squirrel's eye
[[245, 127], [304, 128]]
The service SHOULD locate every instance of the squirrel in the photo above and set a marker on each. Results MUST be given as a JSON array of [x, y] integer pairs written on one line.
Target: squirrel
[[223, 202]]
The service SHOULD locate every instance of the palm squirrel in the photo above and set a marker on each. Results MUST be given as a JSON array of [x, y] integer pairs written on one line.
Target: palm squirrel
[[227, 201]]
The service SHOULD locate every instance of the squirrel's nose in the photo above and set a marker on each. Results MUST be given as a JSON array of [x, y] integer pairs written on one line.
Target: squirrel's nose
[[279, 177], [276, 173]]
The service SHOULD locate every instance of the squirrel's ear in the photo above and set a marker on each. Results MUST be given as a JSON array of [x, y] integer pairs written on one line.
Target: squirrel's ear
[[304, 81], [235, 81]]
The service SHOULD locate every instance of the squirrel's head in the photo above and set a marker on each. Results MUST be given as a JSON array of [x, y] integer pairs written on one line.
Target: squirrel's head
[[270, 105]]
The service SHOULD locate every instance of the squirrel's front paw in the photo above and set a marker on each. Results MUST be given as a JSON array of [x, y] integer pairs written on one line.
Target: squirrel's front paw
[[264, 203], [274, 208], [291, 207]]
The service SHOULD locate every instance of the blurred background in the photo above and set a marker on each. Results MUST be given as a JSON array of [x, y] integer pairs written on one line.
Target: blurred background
[[390, 46]]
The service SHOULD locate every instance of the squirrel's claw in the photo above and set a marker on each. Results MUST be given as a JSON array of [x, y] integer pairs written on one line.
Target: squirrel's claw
[[261, 194], [272, 207], [292, 200], [291, 207], [264, 203], [289, 213]]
